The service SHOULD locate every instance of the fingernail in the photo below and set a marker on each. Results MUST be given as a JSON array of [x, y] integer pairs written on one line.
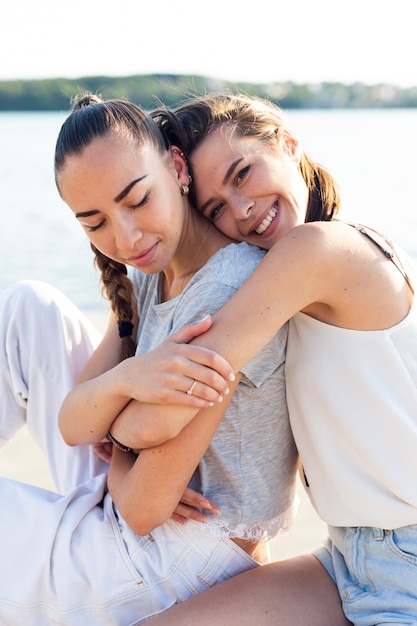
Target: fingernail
[[202, 319], [205, 504], [211, 403], [219, 398], [226, 391], [232, 377]]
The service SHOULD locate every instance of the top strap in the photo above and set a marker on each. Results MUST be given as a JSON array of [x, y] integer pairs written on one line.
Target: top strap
[[386, 246]]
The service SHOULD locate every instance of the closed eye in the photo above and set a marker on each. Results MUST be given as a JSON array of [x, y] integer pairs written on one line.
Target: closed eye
[[142, 203], [92, 229]]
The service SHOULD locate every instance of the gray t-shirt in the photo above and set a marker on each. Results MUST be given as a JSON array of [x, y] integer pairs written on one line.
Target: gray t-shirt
[[249, 468]]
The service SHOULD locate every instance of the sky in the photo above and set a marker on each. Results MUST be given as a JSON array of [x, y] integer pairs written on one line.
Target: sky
[[258, 41]]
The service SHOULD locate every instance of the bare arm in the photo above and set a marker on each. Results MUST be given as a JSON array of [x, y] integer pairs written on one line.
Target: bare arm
[[268, 298], [164, 470], [317, 268], [140, 426], [107, 386], [98, 397]]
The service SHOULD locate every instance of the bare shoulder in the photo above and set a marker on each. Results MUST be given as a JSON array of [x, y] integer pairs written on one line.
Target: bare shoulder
[[334, 230], [356, 284], [329, 241]]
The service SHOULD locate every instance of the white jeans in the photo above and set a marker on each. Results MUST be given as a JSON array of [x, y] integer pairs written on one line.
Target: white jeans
[[70, 559], [45, 341]]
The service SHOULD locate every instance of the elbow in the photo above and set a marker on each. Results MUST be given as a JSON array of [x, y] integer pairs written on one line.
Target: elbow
[[141, 521], [143, 527], [130, 501], [66, 432], [151, 435]]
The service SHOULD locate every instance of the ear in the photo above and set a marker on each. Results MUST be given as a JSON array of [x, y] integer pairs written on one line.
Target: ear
[[180, 165], [286, 141]]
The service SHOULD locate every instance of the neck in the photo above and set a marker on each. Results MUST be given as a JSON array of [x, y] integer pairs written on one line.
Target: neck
[[207, 240]]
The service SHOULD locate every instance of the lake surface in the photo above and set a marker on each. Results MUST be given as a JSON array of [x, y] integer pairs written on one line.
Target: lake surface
[[372, 153]]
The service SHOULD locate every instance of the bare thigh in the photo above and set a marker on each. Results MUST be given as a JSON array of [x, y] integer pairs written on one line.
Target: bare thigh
[[294, 592]]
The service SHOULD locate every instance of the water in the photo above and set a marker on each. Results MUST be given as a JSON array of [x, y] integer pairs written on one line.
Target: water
[[39, 236], [372, 153]]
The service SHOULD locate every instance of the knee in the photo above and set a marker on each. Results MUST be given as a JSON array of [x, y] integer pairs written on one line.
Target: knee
[[28, 297]]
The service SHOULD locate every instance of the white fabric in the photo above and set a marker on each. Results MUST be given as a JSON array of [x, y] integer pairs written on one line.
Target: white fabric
[[65, 561], [352, 398], [45, 341], [68, 560]]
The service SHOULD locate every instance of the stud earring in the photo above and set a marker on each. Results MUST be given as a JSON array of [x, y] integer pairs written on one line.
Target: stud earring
[[185, 190]]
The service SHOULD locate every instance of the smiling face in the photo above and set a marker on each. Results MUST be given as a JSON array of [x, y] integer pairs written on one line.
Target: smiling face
[[127, 199], [251, 190]]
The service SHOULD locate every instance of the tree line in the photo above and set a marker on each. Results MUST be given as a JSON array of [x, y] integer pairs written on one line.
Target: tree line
[[150, 91]]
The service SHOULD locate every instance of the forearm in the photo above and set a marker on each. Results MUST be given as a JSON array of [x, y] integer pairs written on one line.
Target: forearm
[[90, 408], [300, 270], [147, 490], [141, 425]]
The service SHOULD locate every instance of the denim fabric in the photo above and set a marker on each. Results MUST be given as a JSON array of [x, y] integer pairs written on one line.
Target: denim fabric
[[376, 573]]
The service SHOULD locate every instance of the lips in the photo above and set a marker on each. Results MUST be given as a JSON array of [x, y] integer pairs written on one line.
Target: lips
[[266, 222], [144, 258]]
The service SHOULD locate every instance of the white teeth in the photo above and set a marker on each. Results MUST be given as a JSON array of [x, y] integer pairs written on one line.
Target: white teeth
[[264, 225]]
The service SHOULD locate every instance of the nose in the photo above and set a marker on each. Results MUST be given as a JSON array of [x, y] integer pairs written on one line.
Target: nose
[[240, 206], [126, 233]]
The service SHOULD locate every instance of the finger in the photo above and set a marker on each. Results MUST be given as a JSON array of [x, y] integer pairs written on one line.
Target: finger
[[196, 499], [208, 382], [188, 512], [191, 331], [210, 363], [203, 392]]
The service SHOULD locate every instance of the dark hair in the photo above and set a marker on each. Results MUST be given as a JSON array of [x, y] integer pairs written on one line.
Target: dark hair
[[249, 116], [89, 119]]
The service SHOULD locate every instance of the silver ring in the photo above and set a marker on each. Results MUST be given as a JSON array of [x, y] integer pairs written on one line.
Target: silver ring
[[191, 389]]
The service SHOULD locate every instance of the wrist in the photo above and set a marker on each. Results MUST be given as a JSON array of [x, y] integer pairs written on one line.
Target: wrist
[[117, 443], [122, 381]]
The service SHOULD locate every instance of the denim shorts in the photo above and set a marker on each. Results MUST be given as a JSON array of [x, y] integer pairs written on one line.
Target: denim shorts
[[375, 571]]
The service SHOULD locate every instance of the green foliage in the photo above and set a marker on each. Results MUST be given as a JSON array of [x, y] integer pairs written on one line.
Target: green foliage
[[153, 90]]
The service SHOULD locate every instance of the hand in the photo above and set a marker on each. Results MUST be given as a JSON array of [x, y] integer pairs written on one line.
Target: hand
[[208, 369], [190, 501], [170, 370], [103, 449]]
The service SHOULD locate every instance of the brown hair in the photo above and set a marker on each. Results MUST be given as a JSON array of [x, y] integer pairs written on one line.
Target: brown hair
[[189, 124], [91, 118]]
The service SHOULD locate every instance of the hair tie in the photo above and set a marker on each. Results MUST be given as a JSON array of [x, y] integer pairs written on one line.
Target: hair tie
[[125, 329]]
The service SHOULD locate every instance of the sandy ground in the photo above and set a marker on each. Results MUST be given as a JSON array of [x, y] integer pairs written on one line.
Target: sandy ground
[[22, 460]]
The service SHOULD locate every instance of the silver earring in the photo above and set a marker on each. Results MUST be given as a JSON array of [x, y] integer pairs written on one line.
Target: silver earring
[[185, 190], [190, 178]]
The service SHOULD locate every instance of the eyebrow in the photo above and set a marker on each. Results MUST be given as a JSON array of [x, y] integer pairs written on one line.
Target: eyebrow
[[117, 199], [126, 190], [228, 174]]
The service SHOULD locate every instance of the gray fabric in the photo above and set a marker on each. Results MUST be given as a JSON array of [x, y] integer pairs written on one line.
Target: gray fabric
[[249, 468]]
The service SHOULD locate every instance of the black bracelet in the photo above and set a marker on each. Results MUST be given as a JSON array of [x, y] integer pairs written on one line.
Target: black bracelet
[[117, 444]]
